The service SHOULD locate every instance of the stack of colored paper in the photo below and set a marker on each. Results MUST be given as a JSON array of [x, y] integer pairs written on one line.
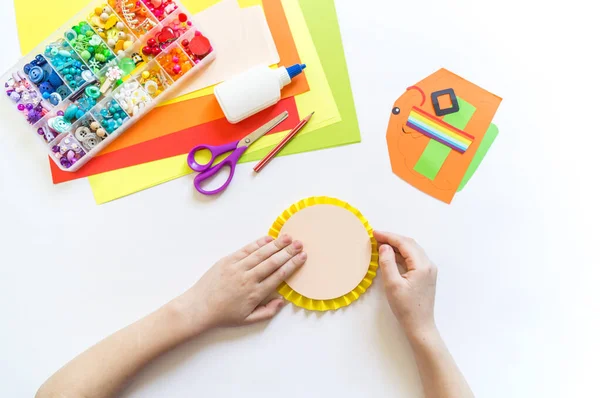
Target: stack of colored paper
[[155, 149]]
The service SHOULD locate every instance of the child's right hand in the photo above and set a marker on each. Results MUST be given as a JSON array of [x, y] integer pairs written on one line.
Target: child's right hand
[[410, 279]]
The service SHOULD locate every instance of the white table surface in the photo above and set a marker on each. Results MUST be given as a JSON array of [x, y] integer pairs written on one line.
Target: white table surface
[[518, 298]]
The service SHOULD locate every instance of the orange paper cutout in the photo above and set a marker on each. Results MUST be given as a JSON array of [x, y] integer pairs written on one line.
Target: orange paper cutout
[[405, 145], [167, 119]]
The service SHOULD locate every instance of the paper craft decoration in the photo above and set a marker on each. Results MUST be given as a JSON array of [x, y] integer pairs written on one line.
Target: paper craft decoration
[[321, 20], [431, 153], [342, 253]]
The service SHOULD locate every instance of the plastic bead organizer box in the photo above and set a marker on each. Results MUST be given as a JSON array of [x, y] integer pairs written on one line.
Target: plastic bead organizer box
[[101, 72]]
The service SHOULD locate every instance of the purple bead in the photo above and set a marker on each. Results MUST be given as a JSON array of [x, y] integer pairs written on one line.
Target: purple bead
[[41, 131], [60, 113], [29, 107], [21, 107], [55, 148], [70, 156], [64, 162]]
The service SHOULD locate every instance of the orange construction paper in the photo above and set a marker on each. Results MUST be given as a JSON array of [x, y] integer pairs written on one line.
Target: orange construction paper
[[175, 117], [216, 132], [405, 145]]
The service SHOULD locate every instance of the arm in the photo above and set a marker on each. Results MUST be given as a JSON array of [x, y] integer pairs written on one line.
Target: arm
[[229, 294], [410, 280]]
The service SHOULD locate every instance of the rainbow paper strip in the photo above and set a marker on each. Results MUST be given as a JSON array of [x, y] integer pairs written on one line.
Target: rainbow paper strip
[[439, 130]]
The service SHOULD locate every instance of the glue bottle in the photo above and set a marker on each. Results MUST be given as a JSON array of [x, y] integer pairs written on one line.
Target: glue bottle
[[254, 90]]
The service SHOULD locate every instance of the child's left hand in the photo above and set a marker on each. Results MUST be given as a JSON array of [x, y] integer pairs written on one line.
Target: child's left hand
[[231, 292]]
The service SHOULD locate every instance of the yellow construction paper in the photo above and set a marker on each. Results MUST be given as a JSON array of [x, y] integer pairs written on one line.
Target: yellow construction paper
[[118, 183], [327, 305], [49, 16]]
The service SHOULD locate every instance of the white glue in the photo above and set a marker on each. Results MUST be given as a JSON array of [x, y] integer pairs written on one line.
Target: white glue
[[253, 91]]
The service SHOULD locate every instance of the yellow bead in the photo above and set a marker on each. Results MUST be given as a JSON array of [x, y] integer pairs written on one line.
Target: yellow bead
[[145, 74], [98, 11]]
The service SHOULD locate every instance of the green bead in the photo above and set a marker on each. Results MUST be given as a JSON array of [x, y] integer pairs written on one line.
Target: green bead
[[76, 29], [118, 83], [100, 57], [107, 53], [89, 33], [86, 55], [127, 65], [91, 49]]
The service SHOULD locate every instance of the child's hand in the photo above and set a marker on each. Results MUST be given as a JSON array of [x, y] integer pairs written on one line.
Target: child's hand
[[409, 278], [231, 292]]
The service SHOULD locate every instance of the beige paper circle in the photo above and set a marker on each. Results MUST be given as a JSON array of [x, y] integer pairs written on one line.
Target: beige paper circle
[[338, 248]]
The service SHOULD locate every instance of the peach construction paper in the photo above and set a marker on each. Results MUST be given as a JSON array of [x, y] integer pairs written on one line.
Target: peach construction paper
[[338, 249]]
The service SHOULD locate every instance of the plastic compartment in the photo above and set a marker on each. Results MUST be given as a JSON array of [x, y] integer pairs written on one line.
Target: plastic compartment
[[89, 46], [135, 15], [53, 124], [110, 115], [161, 9], [178, 23], [89, 132], [67, 64], [196, 45], [175, 62], [67, 151], [132, 97], [154, 79], [26, 98], [88, 98]]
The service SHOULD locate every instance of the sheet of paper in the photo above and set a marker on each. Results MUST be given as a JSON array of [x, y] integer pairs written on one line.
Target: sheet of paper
[[241, 38], [322, 22], [406, 146]]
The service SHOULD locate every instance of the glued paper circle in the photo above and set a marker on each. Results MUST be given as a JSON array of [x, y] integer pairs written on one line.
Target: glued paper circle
[[338, 247]]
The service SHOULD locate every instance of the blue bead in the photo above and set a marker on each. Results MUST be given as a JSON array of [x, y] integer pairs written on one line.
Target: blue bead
[[80, 114]]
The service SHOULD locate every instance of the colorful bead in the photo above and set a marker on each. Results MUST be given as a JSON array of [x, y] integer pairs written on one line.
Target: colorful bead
[[175, 69], [111, 116], [28, 100]]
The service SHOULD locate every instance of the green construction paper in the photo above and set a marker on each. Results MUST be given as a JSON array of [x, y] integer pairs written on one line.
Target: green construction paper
[[432, 159], [435, 153], [322, 22], [486, 143]]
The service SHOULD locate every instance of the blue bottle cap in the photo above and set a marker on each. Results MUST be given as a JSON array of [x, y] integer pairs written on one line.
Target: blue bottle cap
[[295, 70]]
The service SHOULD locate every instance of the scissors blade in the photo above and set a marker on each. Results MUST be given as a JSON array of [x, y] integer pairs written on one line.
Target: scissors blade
[[252, 137]]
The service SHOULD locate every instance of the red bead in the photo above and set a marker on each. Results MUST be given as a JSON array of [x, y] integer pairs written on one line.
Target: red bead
[[200, 46], [183, 17], [147, 50], [155, 50], [151, 42], [185, 42]]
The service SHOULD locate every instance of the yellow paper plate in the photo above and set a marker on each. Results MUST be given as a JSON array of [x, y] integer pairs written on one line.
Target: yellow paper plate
[[333, 304]]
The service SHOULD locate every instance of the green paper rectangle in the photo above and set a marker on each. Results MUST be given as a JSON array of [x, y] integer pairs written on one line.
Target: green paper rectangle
[[432, 159], [486, 143], [435, 153]]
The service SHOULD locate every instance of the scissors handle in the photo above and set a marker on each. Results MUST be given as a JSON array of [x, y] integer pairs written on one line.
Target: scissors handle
[[215, 152], [230, 161]]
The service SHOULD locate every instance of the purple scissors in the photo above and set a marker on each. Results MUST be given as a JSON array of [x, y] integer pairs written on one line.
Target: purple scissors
[[237, 149]]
